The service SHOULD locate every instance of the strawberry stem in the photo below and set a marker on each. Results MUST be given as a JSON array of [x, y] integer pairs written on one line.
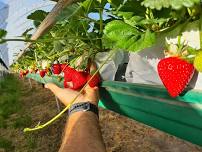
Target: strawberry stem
[[71, 102]]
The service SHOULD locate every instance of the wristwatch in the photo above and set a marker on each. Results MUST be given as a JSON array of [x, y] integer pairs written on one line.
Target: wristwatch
[[83, 106]]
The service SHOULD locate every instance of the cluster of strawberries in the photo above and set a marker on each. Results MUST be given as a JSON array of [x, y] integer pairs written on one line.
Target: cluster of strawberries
[[77, 78], [23, 73], [73, 79]]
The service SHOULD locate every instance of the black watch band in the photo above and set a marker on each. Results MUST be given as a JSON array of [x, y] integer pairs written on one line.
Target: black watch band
[[83, 106]]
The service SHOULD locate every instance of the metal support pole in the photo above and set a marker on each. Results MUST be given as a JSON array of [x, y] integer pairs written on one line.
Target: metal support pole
[[30, 83], [58, 104]]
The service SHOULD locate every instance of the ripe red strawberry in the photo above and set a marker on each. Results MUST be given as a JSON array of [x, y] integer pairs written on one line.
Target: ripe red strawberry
[[79, 79], [56, 68], [36, 70], [26, 72], [21, 73], [95, 81], [65, 84], [63, 66], [42, 73], [175, 74], [68, 73]]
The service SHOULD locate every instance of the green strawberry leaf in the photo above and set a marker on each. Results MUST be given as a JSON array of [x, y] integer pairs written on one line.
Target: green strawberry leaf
[[70, 11], [116, 3], [2, 33], [127, 37], [38, 15], [174, 4]]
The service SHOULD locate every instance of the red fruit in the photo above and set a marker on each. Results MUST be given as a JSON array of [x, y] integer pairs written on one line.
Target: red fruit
[[42, 73], [175, 74], [65, 84], [27, 71], [21, 73], [79, 79], [68, 73], [36, 70], [63, 66], [56, 68], [24, 73], [95, 81]]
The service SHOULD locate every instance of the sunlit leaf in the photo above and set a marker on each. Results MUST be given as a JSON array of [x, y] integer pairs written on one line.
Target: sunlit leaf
[[38, 15], [127, 37], [174, 4]]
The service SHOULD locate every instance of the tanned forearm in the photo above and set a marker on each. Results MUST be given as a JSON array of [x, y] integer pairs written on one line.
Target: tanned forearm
[[82, 134]]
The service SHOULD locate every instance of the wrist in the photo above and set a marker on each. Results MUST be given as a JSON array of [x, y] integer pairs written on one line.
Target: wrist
[[92, 99], [83, 107]]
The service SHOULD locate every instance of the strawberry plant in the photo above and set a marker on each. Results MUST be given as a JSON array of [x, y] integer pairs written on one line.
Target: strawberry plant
[[67, 49]]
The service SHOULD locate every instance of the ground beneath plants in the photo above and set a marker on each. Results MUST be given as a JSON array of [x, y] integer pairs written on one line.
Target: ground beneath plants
[[120, 134]]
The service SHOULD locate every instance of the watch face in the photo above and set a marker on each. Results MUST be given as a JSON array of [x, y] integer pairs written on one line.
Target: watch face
[[86, 106]]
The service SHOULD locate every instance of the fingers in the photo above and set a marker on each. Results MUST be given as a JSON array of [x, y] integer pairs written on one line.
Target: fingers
[[93, 67], [54, 88], [91, 94], [64, 95]]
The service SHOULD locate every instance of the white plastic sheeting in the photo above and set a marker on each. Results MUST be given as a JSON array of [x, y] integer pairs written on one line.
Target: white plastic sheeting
[[142, 66], [13, 18], [108, 71]]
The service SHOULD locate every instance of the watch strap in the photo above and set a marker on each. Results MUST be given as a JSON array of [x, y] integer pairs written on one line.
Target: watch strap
[[83, 106]]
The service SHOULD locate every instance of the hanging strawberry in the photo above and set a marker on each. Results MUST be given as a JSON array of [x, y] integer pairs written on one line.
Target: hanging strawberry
[[65, 84], [175, 74], [56, 68], [21, 73], [26, 72], [42, 73], [36, 70], [95, 80], [68, 73], [63, 66], [176, 70], [79, 78]]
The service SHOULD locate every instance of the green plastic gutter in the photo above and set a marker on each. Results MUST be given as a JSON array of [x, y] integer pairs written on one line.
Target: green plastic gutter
[[151, 105]]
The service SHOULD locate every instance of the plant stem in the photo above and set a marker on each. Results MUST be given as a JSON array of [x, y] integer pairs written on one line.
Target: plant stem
[[71, 102], [101, 26], [45, 40]]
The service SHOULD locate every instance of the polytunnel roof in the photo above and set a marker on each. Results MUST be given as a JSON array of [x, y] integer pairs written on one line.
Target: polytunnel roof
[[14, 20]]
